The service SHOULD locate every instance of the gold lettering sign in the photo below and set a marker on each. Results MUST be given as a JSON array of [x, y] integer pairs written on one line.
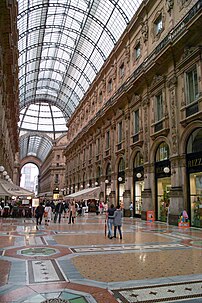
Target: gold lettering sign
[[159, 170], [195, 162]]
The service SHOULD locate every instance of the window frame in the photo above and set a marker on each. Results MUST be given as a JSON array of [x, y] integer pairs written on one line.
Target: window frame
[[187, 86], [158, 115]]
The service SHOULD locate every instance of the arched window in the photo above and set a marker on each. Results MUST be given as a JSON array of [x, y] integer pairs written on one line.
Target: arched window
[[138, 161], [194, 144], [162, 152], [121, 166]]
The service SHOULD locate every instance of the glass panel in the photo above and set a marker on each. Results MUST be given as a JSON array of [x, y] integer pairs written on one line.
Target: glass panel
[[120, 132], [192, 86], [196, 199], [52, 32], [139, 188], [162, 152], [163, 197], [195, 142], [159, 107]]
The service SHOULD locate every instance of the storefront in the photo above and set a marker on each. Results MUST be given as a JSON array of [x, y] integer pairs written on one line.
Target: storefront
[[138, 184], [162, 181], [194, 173]]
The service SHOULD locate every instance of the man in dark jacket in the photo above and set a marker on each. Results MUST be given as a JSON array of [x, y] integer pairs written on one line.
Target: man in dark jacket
[[110, 220], [58, 211], [39, 213]]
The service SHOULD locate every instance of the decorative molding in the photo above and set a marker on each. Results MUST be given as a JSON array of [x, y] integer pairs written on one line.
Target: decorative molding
[[169, 5], [144, 30], [183, 3]]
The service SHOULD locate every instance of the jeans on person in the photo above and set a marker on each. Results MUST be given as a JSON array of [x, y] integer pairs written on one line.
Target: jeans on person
[[110, 225], [39, 219], [119, 229], [56, 216], [71, 218]]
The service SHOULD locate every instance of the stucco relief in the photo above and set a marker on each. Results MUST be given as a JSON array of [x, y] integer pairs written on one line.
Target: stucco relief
[[169, 5], [145, 30], [183, 3], [127, 52]]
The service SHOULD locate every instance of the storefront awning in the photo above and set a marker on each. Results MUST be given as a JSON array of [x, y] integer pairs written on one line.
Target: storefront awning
[[85, 194], [10, 189]]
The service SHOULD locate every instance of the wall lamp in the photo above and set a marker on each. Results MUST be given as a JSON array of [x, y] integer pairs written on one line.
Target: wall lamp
[[96, 183], [1, 169], [106, 181], [139, 175], [120, 179], [166, 170]]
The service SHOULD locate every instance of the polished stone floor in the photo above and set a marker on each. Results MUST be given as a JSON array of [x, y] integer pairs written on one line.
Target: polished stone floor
[[76, 263]]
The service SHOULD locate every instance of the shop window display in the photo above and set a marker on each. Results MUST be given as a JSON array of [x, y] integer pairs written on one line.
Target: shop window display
[[196, 199], [163, 198]]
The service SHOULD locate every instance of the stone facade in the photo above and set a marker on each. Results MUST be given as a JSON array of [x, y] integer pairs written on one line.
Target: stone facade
[[9, 100], [140, 105], [52, 171]]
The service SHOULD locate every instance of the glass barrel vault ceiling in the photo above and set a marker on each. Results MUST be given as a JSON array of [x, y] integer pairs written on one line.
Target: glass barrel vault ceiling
[[62, 46]]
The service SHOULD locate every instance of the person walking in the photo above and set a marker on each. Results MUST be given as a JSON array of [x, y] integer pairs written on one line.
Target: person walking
[[72, 212], [39, 213], [118, 214], [47, 213], [110, 220], [58, 211], [131, 209]]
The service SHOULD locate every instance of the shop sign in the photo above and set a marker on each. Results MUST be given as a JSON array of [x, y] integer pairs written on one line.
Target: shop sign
[[194, 162]]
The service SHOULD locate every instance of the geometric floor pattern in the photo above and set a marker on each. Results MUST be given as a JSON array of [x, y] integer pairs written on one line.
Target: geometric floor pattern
[[154, 262], [160, 293]]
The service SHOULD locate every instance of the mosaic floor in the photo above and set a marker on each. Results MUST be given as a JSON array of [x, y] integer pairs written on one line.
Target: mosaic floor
[[78, 264]]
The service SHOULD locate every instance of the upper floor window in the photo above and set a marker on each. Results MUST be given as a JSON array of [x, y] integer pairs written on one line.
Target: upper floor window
[[56, 178], [100, 97], [137, 51], [136, 121], [120, 132], [158, 107], [98, 146], [192, 85], [90, 151], [121, 70], [108, 139], [58, 157], [109, 86], [84, 155], [158, 24]]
